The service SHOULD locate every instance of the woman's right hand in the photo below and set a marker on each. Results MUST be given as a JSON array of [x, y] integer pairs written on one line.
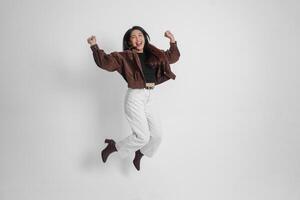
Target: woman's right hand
[[92, 40]]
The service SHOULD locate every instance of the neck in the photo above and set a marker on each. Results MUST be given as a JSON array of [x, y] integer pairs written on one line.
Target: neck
[[138, 51]]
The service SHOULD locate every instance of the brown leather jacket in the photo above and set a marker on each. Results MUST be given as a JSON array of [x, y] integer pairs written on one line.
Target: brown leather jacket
[[127, 63]]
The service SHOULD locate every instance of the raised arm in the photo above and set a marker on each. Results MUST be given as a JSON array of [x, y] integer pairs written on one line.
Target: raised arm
[[172, 53], [110, 62]]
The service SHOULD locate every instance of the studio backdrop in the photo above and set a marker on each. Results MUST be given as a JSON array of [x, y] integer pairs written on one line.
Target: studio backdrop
[[230, 118]]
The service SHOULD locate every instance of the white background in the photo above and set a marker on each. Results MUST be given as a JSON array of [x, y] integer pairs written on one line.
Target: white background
[[231, 117]]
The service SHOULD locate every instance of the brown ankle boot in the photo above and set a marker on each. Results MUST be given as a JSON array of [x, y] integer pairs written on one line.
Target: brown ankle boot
[[137, 159], [110, 148]]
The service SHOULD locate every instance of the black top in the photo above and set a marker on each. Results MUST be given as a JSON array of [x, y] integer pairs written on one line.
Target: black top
[[149, 72]]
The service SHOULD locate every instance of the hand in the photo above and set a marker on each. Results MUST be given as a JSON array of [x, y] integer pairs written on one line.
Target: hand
[[169, 35], [92, 40]]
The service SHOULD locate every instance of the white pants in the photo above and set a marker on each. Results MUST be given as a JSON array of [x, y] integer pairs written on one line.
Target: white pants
[[144, 122]]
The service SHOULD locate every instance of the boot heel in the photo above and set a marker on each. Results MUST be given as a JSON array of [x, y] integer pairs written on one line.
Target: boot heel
[[109, 141]]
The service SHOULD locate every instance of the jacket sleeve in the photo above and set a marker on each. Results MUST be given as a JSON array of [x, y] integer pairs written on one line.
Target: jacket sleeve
[[110, 62], [172, 53]]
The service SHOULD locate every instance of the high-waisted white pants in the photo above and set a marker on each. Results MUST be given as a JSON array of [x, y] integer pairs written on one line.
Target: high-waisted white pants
[[139, 106]]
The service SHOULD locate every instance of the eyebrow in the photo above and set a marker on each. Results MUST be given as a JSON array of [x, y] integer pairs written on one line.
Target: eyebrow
[[135, 35]]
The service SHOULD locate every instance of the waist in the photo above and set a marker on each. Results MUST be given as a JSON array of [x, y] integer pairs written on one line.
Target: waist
[[150, 86]]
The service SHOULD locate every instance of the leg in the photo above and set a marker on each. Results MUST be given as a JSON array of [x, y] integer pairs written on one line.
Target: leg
[[135, 113], [155, 127]]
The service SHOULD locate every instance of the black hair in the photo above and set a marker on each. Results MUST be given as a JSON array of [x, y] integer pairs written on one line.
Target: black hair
[[155, 56], [126, 38]]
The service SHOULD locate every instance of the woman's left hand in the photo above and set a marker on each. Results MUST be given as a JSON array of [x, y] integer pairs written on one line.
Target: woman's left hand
[[169, 35]]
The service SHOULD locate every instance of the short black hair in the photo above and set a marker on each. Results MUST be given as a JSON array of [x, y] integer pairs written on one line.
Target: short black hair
[[126, 38]]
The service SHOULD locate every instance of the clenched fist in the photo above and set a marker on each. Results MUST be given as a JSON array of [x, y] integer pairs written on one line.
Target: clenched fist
[[169, 35], [91, 40]]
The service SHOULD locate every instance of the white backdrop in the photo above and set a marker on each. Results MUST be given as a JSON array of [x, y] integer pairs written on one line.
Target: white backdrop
[[231, 117]]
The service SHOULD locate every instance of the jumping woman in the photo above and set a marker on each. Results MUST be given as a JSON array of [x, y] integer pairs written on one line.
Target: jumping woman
[[143, 66]]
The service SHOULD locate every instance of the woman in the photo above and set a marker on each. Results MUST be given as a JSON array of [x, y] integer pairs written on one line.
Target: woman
[[143, 66]]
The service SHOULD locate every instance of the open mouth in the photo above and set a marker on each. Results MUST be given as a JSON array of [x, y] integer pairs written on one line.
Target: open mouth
[[139, 44]]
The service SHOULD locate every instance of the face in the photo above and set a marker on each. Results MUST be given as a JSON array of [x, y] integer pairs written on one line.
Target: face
[[137, 40]]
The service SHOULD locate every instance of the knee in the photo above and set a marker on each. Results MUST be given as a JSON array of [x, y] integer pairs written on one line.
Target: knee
[[157, 139], [143, 139]]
